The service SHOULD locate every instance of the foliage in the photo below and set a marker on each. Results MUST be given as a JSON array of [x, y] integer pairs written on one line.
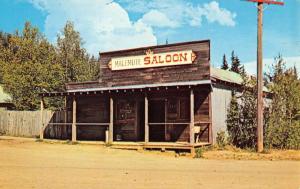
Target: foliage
[[224, 63], [199, 153], [30, 65], [76, 62], [283, 128], [236, 64], [221, 139], [241, 117]]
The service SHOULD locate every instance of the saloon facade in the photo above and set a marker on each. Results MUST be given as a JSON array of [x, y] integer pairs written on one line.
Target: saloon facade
[[164, 96]]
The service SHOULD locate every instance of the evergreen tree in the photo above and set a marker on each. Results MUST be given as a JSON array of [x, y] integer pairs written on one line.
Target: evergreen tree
[[224, 63], [233, 121], [235, 63], [283, 129], [241, 117]]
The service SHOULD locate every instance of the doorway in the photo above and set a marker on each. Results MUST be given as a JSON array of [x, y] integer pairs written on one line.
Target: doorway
[[157, 115]]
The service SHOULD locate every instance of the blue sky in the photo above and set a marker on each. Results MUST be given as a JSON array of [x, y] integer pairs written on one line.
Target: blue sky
[[110, 25]]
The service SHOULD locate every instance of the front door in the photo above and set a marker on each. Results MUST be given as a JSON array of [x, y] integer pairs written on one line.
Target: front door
[[125, 124]]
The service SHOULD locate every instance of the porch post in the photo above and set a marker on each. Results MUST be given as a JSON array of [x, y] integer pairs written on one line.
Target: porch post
[[42, 121], [111, 120], [146, 120], [74, 134], [192, 137], [210, 134], [64, 130]]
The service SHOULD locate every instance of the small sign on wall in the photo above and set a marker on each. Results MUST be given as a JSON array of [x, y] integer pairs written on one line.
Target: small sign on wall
[[152, 60]]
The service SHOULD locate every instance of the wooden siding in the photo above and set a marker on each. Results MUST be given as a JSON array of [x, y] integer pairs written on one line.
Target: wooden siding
[[90, 109], [202, 114], [199, 70]]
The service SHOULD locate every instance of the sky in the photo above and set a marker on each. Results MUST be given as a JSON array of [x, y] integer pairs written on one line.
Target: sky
[[107, 25]]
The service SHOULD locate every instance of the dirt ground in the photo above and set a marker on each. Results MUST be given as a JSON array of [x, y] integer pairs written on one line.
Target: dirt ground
[[25, 163]]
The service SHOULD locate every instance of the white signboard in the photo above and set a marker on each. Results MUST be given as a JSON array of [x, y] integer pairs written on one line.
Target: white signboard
[[152, 60]]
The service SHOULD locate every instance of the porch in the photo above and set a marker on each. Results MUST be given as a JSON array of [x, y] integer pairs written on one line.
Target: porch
[[168, 117]]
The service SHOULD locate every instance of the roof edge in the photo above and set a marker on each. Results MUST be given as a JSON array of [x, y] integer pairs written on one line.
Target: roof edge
[[154, 46]]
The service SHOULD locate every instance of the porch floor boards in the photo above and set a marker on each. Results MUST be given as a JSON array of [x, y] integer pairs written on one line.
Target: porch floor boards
[[157, 145]]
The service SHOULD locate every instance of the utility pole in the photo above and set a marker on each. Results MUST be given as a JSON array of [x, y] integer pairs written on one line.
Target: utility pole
[[260, 102]]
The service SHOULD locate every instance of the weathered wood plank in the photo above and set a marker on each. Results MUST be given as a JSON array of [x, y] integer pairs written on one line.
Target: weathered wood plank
[[146, 120], [74, 132], [192, 118], [111, 120]]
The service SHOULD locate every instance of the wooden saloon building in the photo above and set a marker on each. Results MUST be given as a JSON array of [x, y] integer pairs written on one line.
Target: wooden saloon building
[[155, 97]]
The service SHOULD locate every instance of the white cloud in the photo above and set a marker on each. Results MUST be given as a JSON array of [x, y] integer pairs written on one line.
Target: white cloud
[[158, 19], [104, 25], [182, 12], [268, 62], [214, 13]]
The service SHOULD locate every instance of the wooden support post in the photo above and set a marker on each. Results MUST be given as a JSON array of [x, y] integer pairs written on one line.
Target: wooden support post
[[64, 130], [210, 132], [146, 120], [106, 136], [192, 118], [260, 107], [74, 130], [111, 120], [42, 120]]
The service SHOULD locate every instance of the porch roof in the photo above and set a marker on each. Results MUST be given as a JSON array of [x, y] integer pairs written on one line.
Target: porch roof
[[127, 87]]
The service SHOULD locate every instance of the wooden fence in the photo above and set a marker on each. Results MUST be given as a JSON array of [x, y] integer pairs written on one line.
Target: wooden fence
[[28, 124]]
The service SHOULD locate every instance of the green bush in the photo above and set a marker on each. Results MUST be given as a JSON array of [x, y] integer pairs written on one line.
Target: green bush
[[293, 141], [221, 139], [199, 153]]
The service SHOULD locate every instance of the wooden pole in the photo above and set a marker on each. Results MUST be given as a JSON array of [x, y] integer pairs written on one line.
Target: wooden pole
[[74, 132], [260, 107], [192, 118], [42, 120], [111, 120], [146, 120]]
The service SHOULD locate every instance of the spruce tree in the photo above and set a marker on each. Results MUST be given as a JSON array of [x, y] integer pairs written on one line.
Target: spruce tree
[[241, 117], [224, 63], [233, 121], [235, 63]]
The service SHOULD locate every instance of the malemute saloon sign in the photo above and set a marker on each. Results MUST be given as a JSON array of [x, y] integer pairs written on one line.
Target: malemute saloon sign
[[152, 60]]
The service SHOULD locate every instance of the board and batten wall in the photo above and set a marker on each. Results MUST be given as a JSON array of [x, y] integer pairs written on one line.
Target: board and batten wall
[[221, 97]]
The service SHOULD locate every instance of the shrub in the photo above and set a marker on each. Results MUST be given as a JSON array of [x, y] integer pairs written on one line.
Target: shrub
[[199, 153], [221, 139]]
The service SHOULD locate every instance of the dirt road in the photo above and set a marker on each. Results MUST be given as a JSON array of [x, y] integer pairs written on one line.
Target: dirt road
[[25, 163]]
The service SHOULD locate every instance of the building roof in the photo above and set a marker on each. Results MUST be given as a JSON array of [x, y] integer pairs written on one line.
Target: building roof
[[171, 84], [154, 46], [229, 76], [4, 97], [226, 75]]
